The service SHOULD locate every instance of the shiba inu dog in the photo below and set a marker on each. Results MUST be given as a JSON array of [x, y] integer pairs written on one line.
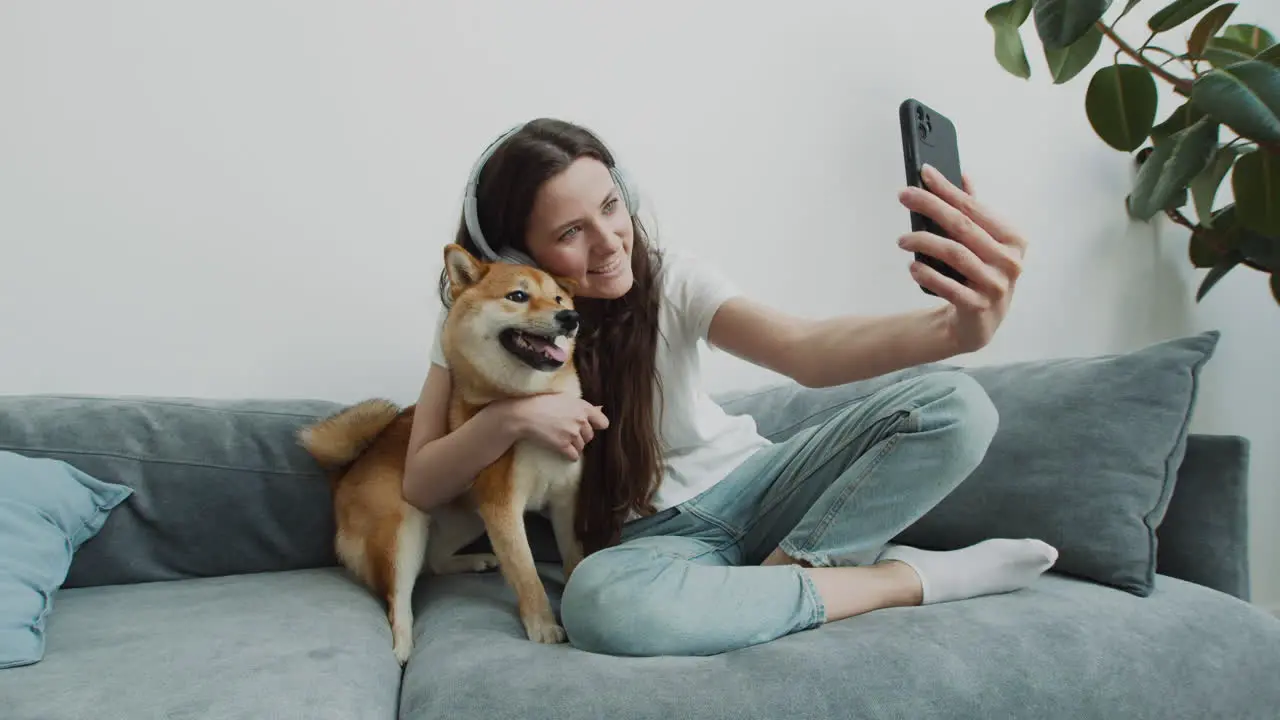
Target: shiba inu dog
[[510, 333]]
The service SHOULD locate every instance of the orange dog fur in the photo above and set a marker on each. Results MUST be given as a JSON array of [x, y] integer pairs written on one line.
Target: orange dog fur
[[510, 333]]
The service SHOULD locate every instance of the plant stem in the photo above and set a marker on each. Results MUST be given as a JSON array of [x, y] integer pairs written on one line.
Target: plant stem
[[1181, 86], [1176, 215], [1172, 55]]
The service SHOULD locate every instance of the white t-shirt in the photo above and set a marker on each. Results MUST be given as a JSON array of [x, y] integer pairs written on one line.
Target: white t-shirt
[[701, 443]]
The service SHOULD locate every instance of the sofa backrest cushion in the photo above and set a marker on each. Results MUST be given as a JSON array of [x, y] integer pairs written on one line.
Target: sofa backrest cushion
[[221, 487], [1085, 458]]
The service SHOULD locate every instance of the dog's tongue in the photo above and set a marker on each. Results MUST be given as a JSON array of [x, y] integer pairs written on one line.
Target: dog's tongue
[[548, 348]]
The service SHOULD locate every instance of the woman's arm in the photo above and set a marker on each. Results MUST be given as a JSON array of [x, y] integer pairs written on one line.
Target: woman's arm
[[441, 465], [820, 353]]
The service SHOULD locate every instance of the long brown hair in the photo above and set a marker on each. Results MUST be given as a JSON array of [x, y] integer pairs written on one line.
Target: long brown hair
[[616, 349]]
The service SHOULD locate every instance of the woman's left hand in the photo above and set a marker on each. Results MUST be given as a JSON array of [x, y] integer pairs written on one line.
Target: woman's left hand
[[985, 250]]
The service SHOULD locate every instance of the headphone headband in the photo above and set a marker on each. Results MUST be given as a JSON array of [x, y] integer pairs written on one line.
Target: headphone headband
[[470, 203]]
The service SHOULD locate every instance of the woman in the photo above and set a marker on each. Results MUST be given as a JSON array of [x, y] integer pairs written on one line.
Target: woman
[[703, 536]]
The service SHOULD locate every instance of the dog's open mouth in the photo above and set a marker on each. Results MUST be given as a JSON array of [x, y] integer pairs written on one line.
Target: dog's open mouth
[[540, 352]]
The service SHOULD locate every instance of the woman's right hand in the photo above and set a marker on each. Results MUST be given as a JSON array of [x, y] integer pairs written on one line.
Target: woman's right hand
[[559, 421]]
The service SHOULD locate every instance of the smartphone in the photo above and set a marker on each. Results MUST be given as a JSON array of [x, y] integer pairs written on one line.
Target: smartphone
[[929, 137]]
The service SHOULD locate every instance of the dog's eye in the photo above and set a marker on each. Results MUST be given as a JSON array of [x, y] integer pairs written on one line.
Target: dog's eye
[[519, 296], [559, 300]]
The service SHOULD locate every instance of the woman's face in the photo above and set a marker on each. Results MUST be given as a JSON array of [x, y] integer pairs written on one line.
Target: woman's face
[[580, 229]]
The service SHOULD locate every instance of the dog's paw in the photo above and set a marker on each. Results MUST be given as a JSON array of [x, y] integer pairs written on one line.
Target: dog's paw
[[544, 630], [474, 563], [483, 562]]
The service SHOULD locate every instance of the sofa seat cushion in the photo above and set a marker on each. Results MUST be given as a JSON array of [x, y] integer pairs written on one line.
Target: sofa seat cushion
[[306, 644], [1064, 648]]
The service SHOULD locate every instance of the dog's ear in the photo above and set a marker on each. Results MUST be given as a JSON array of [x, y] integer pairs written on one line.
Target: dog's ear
[[569, 285], [463, 268]]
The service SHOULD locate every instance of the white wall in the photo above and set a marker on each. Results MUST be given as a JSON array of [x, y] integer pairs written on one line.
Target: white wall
[[249, 198]]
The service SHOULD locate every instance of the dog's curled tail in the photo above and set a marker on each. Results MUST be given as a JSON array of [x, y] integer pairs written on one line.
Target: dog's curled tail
[[340, 438]]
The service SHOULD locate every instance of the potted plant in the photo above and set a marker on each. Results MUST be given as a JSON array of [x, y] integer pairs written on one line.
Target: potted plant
[[1227, 123]]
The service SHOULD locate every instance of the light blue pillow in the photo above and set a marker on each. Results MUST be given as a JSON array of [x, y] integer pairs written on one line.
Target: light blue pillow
[[48, 509]]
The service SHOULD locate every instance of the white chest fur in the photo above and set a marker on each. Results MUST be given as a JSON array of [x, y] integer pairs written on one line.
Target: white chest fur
[[543, 476]]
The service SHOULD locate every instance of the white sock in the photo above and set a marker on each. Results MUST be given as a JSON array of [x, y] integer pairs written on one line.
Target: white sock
[[990, 567]]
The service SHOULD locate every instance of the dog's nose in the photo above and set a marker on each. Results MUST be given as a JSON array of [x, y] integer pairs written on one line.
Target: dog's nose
[[567, 319]]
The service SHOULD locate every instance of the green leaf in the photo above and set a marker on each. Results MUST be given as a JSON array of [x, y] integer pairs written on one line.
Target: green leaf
[[1270, 55], [1256, 185], [1201, 251], [1240, 43], [1208, 247], [1208, 26], [1221, 52], [1176, 13], [1067, 63], [1210, 244], [1215, 274], [1228, 238], [1121, 105], [1186, 114], [1012, 13], [1010, 53], [1061, 23], [1261, 250], [1005, 19], [1171, 167], [1251, 36], [1244, 97], [1127, 7], [1204, 188]]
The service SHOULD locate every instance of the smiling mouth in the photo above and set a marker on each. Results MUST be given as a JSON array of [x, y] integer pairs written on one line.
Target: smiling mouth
[[540, 352], [610, 268]]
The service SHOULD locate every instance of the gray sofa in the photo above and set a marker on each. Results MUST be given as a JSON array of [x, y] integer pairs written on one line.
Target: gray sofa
[[213, 591]]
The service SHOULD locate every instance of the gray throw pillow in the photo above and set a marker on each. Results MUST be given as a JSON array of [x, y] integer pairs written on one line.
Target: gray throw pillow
[[1085, 457]]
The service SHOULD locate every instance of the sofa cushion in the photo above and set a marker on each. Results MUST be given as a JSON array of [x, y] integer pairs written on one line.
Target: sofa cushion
[[1086, 455], [308, 644], [1064, 648], [48, 510], [220, 486]]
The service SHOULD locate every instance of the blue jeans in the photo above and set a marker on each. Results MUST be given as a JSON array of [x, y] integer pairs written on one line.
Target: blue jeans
[[688, 580]]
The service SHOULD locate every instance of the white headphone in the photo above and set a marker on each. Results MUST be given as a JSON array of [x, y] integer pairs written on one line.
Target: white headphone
[[626, 188]]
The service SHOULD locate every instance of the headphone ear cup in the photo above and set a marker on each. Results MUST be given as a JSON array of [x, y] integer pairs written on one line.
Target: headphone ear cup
[[627, 188], [515, 257]]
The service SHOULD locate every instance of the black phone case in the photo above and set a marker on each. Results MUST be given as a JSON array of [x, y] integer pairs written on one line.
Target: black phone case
[[929, 137]]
